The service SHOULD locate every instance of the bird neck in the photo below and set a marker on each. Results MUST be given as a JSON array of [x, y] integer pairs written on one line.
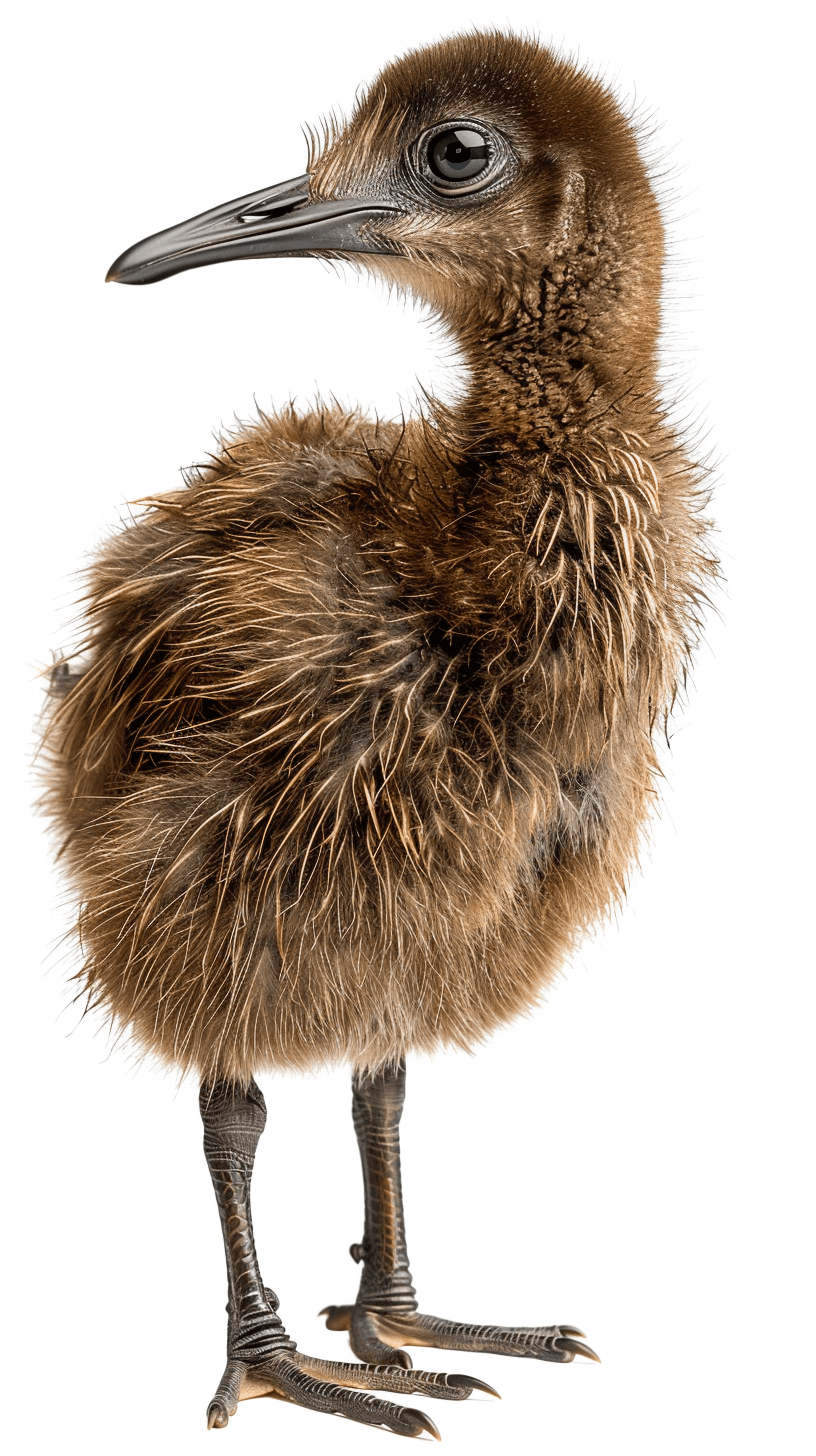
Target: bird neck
[[566, 333], [550, 458], [551, 363]]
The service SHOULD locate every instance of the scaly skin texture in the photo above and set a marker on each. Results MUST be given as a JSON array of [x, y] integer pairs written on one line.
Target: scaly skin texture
[[384, 1315], [261, 1359]]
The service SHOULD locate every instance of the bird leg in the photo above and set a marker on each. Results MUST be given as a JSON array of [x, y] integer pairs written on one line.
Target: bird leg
[[261, 1358], [384, 1315]]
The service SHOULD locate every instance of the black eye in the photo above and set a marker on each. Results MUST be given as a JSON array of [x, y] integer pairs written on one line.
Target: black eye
[[457, 155]]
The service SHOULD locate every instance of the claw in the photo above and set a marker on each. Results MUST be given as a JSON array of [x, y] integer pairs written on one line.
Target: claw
[[421, 1421], [467, 1382], [572, 1330], [576, 1348], [216, 1416]]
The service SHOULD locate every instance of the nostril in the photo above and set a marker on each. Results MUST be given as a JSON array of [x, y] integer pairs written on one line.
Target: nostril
[[251, 217], [274, 207]]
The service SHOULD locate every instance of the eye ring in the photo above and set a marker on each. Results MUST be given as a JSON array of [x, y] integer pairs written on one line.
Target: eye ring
[[459, 157]]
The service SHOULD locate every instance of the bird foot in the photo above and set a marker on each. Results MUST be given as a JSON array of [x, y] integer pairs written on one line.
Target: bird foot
[[339, 1389], [377, 1336]]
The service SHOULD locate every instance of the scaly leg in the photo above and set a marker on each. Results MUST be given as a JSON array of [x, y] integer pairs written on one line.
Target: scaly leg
[[384, 1315], [261, 1359]]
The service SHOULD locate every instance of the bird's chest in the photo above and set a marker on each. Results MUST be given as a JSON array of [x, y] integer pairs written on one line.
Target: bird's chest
[[433, 791]]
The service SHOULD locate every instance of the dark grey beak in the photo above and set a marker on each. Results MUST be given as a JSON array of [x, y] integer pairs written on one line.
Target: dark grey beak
[[277, 221]]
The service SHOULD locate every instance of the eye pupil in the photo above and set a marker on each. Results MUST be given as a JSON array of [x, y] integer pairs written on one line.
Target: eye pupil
[[458, 154]]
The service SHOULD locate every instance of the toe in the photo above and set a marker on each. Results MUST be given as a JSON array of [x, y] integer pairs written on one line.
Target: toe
[[369, 1331], [217, 1417], [365, 1341], [392, 1377], [225, 1401], [338, 1316], [296, 1384]]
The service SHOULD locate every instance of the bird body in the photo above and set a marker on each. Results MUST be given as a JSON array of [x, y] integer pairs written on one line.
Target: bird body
[[365, 738], [332, 788]]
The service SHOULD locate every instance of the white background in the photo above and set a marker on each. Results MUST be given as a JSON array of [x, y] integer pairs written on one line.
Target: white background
[[634, 1158]]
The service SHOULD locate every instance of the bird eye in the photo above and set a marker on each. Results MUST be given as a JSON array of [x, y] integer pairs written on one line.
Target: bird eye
[[457, 155], [460, 156]]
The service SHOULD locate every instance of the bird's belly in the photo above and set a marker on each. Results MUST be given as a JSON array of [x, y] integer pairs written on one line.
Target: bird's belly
[[360, 951], [419, 964]]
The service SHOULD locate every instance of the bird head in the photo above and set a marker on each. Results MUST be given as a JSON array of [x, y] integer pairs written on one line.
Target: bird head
[[486, 175]]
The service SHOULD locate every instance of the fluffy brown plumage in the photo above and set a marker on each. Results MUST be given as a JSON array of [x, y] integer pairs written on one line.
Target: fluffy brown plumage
[[365, 739]]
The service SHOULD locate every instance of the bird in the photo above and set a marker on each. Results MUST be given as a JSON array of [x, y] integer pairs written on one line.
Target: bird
[[362, 735]]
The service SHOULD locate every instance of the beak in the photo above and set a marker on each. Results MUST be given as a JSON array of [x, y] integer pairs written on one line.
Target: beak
[[277, 221]]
